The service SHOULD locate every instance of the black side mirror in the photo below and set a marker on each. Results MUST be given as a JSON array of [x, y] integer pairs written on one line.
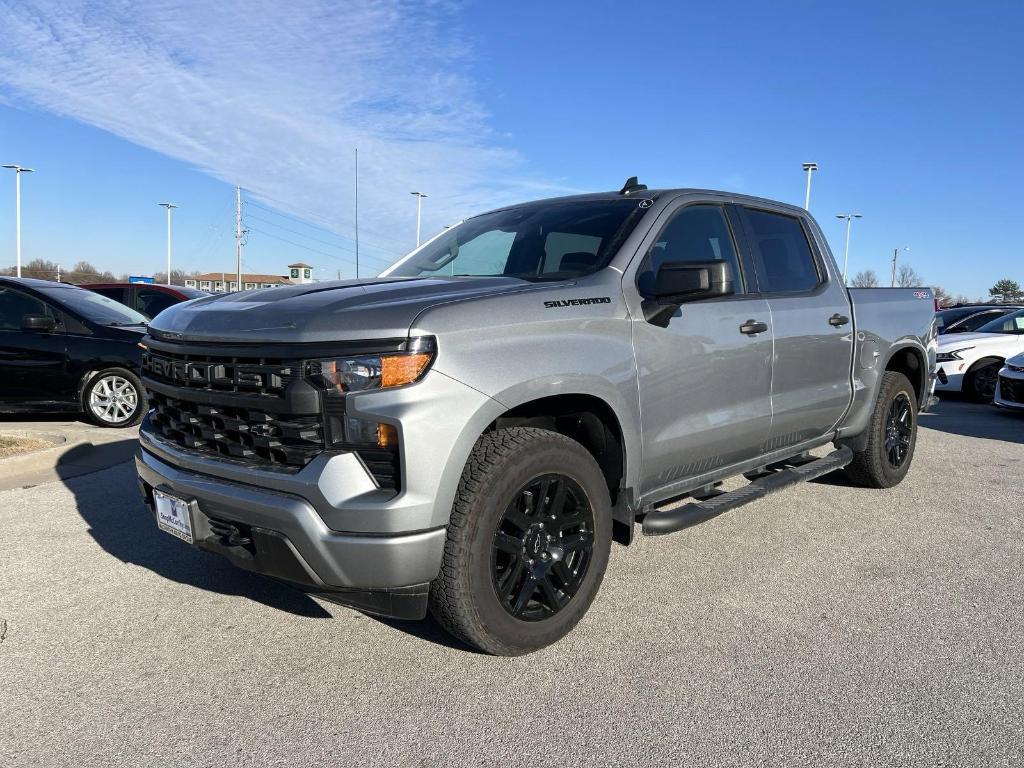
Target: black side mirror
[[679, 282], [38, 323]]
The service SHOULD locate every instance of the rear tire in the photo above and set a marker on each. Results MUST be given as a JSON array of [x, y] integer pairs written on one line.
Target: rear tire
[[528, 542], [892, 436], [114, 398], [980, 381]]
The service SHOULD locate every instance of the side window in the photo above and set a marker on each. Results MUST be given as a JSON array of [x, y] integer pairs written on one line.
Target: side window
[[782, 255], [697, 233], [14, 305], [151, 303], [976, 321], [117, 294]]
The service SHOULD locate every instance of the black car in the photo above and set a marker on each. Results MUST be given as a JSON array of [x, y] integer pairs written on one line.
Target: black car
[[969, 318], [65, 348]]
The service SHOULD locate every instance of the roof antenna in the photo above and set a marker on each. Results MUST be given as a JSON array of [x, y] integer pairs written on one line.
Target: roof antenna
[[632, 185]]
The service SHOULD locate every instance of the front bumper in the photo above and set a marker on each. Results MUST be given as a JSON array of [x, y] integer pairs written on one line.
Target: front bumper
[[1010, 390], [948, 378], [281, 535]]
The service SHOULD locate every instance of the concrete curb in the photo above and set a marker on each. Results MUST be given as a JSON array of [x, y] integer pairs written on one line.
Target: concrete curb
[[70, 458]]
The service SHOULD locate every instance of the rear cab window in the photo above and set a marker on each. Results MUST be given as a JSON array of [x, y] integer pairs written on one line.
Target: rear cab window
[[781, 252]]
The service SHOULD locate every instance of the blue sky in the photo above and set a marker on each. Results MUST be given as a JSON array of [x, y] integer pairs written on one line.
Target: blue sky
[[912, 111]]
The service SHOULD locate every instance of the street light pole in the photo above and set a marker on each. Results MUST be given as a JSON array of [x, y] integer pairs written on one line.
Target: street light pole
[[846, 254], [895, 255], [169, 207], [18, 170], [809, 168], [419, 205]]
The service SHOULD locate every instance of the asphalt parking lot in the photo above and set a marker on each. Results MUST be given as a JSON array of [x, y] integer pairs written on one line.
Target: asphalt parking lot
[[826, 625]]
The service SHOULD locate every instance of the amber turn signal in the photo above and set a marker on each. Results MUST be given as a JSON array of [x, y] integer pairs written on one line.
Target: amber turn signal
[[397, 370], [387, 435]]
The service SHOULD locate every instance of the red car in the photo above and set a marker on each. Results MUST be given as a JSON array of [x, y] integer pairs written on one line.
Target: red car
[[148, 298]]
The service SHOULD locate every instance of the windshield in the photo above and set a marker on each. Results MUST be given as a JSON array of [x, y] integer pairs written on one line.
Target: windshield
[[1012, 323], [537, 241], [98, 309]]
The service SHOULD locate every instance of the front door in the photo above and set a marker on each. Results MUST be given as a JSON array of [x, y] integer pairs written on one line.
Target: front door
[[33, 364], [704, 384]]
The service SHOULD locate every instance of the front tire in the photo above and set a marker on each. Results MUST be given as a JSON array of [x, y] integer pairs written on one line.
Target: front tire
[[892, 436], [114, 398], [980, 382], [528, 542]]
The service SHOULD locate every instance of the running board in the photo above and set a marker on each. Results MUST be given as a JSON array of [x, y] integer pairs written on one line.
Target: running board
[[664, 521]]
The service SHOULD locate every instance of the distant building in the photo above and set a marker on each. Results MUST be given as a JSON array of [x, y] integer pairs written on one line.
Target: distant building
[[223, 282]]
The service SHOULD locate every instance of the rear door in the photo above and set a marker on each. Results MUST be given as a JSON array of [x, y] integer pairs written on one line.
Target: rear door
[[704, 384], [812, 324], [33, 364]]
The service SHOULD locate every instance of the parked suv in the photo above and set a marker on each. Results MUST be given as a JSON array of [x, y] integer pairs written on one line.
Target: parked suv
[[469, 431], [63, 348], [149, 299]]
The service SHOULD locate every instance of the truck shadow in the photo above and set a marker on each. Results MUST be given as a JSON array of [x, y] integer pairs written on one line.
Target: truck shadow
[[124, 528], [959, 416]]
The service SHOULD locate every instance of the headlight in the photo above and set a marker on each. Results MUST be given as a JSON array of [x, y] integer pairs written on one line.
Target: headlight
[[358, 373], [947, 357], [338, 376]]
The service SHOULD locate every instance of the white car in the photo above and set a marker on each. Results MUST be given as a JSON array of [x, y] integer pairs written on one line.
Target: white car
[[1010, 386], [970, 362]]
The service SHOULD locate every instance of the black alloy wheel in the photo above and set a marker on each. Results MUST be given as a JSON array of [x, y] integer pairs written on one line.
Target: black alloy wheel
[[898, 430], [983, 382], [542, 547]]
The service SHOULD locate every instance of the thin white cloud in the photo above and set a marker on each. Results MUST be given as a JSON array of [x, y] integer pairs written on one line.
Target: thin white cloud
[[275, 96]]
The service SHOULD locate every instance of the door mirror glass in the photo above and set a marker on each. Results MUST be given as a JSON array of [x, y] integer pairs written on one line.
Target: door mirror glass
[[678, 282], [38, 323]]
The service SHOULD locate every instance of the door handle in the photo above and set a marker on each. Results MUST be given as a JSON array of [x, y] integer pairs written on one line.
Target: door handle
[[838, 320], [753, 327]]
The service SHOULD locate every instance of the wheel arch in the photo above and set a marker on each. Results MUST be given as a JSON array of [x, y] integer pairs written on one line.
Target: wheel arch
[[912, 363], [594, 423]]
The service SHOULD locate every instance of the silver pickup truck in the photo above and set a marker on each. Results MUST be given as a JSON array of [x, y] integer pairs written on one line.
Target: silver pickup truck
[[468, 432]]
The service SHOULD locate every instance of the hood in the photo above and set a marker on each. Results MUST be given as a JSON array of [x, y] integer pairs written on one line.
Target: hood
[[344, 310], [958, 340]]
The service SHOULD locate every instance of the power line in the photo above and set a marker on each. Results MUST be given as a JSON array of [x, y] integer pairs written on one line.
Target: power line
[[300, 234], [311, 248], [325, 226]]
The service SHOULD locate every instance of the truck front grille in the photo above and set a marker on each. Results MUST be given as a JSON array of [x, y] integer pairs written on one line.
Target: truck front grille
[[1012, 390], [258, 409], [239, 433], [216, 373]]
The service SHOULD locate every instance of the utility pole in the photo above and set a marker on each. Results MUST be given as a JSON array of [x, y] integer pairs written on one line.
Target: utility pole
[[419, 206], [18, 170], [895, 255], [809, 168], [169, 207], [357, 213], [846, 254], [58, 273], [238, 238]]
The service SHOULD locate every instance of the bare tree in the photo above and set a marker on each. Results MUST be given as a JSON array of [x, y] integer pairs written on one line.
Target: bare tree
[[865, 279], [906, 277], [945, 298]]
